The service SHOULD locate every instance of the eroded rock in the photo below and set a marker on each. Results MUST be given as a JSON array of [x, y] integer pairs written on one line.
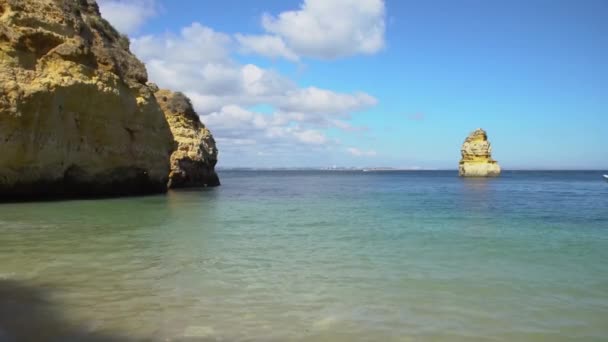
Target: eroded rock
[[193, 161], [477, 156], [76, 115]]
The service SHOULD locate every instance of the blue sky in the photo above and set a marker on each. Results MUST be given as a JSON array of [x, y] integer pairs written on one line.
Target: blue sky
[[373, 83]]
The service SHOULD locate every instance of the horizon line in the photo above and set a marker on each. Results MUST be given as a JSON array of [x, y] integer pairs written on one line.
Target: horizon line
[[356, 168]]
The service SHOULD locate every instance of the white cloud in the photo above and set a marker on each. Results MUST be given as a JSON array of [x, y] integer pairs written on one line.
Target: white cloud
[[361, 153], [258, 82], [325, 29], [233, 122], [194, 44], [198, 62], [265, 45], [127, 16], [317, 100], [310, 136]]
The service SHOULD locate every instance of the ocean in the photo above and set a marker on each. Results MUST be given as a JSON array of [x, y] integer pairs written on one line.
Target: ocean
[[315, 256]]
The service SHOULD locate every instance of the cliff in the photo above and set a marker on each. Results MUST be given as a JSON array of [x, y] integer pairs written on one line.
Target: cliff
[[193, 162], [477, 156], [77, 116]]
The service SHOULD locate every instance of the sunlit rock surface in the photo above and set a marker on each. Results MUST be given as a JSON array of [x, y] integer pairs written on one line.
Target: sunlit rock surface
[[193, 161], [77, 115], [477, 156]]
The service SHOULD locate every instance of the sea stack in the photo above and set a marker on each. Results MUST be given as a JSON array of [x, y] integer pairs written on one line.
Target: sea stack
[[477, 156], [193, 161], [77, 114]]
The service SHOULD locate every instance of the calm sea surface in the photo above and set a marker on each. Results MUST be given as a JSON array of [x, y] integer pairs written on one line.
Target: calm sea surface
[[315, 256]]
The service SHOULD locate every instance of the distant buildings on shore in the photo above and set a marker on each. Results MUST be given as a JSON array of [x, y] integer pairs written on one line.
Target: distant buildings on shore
[[329, 168]]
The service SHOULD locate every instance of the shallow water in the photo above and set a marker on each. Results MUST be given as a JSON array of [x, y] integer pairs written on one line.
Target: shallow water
[[315, 256]]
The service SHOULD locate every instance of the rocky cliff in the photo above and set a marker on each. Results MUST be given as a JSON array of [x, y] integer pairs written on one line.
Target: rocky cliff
[[477, 156], [193, 162], [77, 116]]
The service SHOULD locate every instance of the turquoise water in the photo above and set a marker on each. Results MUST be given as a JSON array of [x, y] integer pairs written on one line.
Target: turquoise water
[[315, 256]]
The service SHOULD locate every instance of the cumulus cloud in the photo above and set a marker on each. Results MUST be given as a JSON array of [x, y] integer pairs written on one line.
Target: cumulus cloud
[[198, 61], [194, 44], [127, 16], [325, 29], [265, 45], [311, 136], [361, 153], [238, 127], [315, 100]]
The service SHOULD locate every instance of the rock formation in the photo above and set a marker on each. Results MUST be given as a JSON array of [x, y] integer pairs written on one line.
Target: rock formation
[[193, 162], [477, 156], [77, 116]]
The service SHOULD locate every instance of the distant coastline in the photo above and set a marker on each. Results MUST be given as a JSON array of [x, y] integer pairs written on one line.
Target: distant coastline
[[387, 169], [353, 168]]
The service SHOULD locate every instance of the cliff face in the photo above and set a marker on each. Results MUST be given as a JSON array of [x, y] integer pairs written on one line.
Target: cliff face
[[477, 156], [77, 116], [193, 161]]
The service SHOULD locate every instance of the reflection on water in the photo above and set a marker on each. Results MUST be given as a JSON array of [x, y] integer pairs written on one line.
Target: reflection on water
[[477, 184], [478, 200], [314, 256]]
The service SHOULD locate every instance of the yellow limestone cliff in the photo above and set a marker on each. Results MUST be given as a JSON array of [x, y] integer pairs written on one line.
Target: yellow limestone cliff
[[77, 116], [477, 156], [194, 159]]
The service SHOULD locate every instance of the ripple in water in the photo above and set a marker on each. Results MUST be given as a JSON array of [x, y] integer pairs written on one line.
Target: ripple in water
[[315, 256]]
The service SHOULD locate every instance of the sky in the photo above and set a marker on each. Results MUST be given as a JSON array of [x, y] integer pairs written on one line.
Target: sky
[[372, 83]]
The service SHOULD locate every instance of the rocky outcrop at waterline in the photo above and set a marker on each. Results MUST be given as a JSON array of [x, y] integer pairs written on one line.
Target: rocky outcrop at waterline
[[193, 161], [77, 115], [477, 156]]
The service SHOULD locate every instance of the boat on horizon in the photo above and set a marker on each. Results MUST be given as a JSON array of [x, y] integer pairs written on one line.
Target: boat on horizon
[[606, 177]]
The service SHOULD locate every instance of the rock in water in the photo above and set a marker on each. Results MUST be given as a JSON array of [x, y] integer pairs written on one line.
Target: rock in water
[[477, 156], [193, 162], [77, 116]]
